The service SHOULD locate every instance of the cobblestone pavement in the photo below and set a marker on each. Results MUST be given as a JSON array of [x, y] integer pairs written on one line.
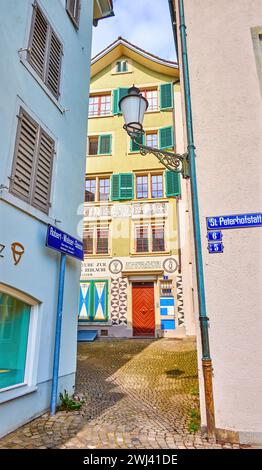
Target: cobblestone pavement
[[138, 394]]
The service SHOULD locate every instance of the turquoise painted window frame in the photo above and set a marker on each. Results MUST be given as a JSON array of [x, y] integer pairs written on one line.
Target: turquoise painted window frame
[[14, 340]]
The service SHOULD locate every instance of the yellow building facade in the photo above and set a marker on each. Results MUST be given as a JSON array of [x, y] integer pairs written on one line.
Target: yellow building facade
[[131, 282]]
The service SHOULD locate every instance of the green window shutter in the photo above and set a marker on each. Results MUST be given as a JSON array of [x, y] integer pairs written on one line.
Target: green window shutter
[[166, 96], [115, 187], [126, 186], [172, 184], [133, 146], [122, 93], [115, 101], [104, 144], [166, 137]]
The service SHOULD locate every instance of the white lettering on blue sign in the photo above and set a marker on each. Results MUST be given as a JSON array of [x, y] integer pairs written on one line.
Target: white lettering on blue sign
[[234, 221]]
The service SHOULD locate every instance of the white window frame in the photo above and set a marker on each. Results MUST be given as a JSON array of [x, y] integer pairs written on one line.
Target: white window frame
[[33, 345]]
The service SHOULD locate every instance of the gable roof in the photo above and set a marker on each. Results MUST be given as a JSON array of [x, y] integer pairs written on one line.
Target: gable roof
[[122, 47]]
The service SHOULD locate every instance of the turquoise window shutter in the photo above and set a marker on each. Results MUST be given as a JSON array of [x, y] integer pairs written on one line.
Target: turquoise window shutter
[[115, 101], [126, 186], [115, 187], [133, 146], [122, 93], [105, 144], [166, 96], [173, 187], [166, 137]]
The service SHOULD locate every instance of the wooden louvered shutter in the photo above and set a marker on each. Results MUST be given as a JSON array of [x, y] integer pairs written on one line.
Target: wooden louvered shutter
[[104, 144], [115, 101], [23, 163], [133, 146], [115, 187], [126, 186], [38, 42], [166, 96], [43, 172], [54, 64], [122, 93], [166, 137], [172, 184]]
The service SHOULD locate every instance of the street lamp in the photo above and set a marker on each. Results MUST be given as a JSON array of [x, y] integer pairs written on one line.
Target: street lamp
[[133, 107]]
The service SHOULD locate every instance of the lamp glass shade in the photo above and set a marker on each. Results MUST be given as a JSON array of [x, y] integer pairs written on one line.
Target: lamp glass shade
[[133, 107]]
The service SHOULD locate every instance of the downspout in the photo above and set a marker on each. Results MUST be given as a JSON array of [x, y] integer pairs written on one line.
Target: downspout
[[203, 318]]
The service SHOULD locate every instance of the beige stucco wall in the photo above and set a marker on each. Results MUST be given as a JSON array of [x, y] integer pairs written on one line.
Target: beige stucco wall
[[227, 111]]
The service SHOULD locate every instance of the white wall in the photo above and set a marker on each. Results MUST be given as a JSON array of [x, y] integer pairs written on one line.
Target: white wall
[[227, 110]]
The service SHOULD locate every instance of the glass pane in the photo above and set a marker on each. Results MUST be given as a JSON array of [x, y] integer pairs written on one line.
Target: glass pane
[[14, 326], [158, 239], [90, 190], [157, 186], [141, 239], [141, 187], [102, 240], [93, 146], [152, 140], [104, 189]]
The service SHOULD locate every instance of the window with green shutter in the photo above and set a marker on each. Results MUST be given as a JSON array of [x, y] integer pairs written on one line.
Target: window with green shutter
[[115, 187], [105, 144], [126, 186], [122, 186], [133, 146], [166, 96], [117, 95], [166, 137], [173, 187]]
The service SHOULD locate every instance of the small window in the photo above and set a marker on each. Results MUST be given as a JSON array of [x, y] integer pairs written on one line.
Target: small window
[[158, 238], [152, 98], [99, 105], [157, 190], [14, 328], [88, 241], [104, 188], [166, 288], [102, 240], [73, 10], [121, 66], [90, 190], [152, 139], [45, 51], [141, 239], [142, 187], [93, 146]]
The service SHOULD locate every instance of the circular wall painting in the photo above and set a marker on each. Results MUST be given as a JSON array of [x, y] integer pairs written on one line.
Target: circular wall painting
[[170, 265], [115, 266]]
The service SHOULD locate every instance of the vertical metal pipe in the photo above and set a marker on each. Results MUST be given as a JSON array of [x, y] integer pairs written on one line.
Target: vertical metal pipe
[[58, 333], [206, 359]]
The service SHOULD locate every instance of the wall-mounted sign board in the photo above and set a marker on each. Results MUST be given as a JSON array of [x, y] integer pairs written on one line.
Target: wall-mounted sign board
[[214, 236], [223, 222], [64, 243], [215, 247]]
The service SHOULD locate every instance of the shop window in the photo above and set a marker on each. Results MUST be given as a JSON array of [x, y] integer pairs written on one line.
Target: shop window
[[14, 327]]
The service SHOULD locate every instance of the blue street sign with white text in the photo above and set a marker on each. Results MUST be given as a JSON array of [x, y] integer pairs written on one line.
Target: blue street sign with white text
[[64, 243], [223, 222], [215, 247], [214, 236]]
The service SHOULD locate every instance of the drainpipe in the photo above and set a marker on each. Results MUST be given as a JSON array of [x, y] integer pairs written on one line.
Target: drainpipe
[[203, 318]]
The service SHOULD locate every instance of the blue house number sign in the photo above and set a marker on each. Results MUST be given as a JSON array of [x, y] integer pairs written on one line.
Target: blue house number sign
[[215, 247], [214, 236]]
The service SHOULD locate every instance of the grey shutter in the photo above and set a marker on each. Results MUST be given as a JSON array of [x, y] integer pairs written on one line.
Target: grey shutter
[[23, 163], [38, 42], [43, 172], [54, 64]]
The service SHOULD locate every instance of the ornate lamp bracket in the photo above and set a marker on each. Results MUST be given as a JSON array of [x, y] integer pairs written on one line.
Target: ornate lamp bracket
[[172, 161]]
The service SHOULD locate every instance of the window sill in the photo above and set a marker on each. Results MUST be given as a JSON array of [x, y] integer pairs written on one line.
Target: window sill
[[100, 155], [24, 207], [94, 323], [89, 256], [99, 116], [151, 253], [16, 391], [41, 83]]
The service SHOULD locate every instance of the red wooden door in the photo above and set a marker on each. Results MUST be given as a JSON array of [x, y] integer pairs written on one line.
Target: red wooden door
[[143, 309]]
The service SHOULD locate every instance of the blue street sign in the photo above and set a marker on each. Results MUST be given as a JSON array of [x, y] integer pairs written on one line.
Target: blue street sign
[[64, 243], [223, 222], [215, 247], [214, 236]]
